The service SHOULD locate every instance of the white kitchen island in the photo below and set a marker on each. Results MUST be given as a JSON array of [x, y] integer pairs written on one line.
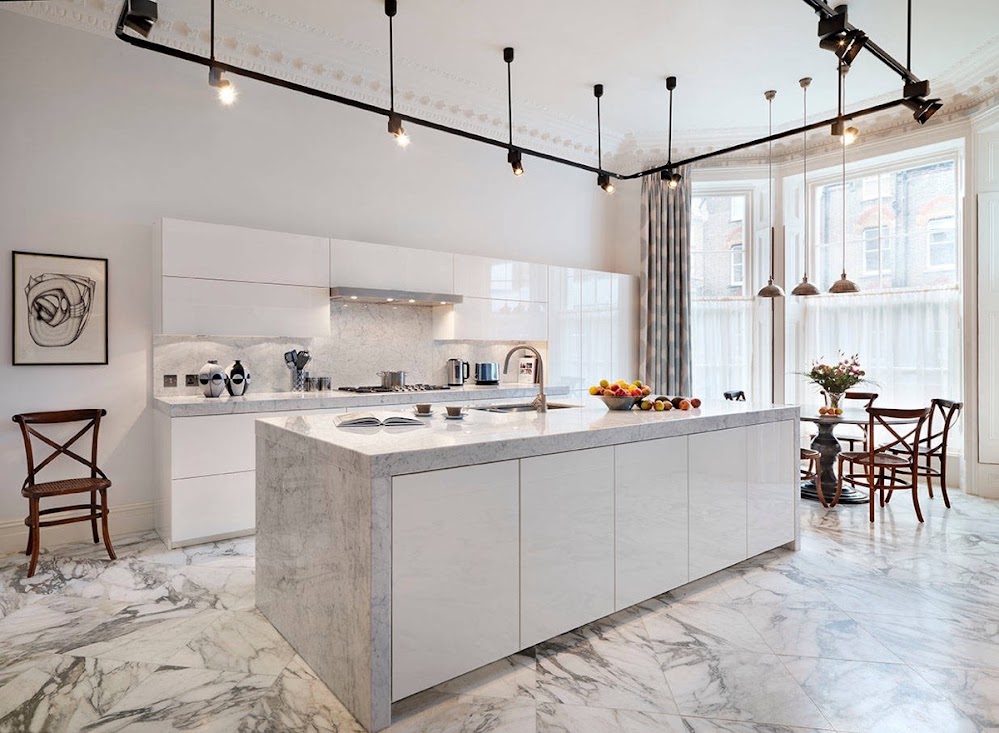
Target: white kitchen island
[[393, 559]]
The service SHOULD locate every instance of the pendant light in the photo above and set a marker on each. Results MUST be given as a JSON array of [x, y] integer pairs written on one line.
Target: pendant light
[[226, 91], [395, 127], [671, 178], [844, 284], [771, 290], [805, 288], [513, 157], [603, 179]]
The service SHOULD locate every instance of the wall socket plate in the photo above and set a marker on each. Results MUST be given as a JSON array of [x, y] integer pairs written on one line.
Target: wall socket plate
[[169, 380], [191, 380]]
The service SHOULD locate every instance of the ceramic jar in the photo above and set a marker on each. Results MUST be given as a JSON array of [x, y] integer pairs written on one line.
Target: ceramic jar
[[212, 379], [237, 379]]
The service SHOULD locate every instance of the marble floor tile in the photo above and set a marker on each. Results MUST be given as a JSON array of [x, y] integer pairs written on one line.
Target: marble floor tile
[[681, 628], [176, 698], [876, 697], [237, 641], [514, 676], [733, 684], [944, 642], [974, 691], [556, 718], [443, 713]]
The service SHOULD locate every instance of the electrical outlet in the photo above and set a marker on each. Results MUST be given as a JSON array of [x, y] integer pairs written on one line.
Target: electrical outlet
[[169, 380], [191, 380]]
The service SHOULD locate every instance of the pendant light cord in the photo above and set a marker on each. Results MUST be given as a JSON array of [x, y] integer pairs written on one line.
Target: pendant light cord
[[509, 101], [908, 42], [842, 97], [391, 68], [669, 143], [600, 151], [804, 170], [770, 181], [211, 32]]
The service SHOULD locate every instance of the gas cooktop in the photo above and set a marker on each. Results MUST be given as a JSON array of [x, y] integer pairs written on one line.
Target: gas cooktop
[[407, 388]]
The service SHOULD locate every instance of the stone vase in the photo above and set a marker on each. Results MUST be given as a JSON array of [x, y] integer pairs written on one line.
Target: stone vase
[[212, 379]]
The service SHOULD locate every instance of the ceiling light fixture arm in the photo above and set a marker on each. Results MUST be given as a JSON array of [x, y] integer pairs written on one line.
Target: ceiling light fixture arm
[[598, 92], [391, 8], [508, 57]]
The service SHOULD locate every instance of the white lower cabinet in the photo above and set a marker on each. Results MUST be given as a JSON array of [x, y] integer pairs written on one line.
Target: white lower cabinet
[[455, 548], [222, 505], [566, 542], [717, 493], [650, 519], [772, 467]]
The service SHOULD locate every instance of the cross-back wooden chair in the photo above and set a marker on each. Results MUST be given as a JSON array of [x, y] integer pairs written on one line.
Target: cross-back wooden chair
[[943, 415], [882, 465], [868, 399], [34, 491]]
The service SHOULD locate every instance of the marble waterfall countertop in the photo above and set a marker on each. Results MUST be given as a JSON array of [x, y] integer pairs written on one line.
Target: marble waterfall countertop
[[483, 437], [193, 406]]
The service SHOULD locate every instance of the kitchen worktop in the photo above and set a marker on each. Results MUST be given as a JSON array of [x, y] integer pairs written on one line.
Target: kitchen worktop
[[485, 436], [193, 406]]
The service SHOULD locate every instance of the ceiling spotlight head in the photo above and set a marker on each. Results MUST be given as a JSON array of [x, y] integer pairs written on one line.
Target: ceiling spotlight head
[[604, 181], [508, 54], [226, 90], [391, 8], [805, 288], [674, 180], [670, 83], [513, 158], [396, 129], [843, 285], [805, 82], [770, 290], [855, 42], [923, 109], [850, 135], [141, 16], [838, 128]]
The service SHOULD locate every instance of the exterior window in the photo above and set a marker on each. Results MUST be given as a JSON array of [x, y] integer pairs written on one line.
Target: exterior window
[[941, 240], [876, 251], [738, 266], [738, 204], [869, 188]]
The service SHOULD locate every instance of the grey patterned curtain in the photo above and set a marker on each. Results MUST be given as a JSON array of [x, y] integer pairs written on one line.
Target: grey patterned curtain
[[664, 357]]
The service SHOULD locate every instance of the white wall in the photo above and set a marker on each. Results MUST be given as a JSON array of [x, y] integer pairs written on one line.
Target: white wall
[[98, 140]]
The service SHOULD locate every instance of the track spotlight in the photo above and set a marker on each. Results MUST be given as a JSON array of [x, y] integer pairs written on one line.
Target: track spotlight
[[397, 130], [141, 16], [604, 181], [674, 180], [855, 42], [513, 158], [923, 109], [850, 135], [671, 177], [835, 35], [226, 91]]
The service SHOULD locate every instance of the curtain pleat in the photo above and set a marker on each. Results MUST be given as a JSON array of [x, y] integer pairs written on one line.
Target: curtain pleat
[[665, 286]]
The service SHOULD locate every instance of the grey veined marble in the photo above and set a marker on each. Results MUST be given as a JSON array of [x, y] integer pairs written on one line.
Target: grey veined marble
[[868, 631]]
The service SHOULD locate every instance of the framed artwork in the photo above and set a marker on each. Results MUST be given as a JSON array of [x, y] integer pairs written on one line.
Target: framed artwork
[[60, 313], [526, 374]]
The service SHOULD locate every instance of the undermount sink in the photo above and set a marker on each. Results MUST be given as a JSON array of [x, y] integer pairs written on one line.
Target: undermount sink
[[519, 407]]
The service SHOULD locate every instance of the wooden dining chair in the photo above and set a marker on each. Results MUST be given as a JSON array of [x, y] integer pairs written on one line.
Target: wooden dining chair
[[933, 447], [885, 467], [868, 399], [34, 491], [813, 471]]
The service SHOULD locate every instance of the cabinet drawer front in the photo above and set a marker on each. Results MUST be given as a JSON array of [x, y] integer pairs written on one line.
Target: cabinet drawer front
[[567, 541], [210, 506], [772, 486], [454, 573]]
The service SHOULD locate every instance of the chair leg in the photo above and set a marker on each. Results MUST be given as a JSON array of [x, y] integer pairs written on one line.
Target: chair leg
[[870, 491], [93, 516], [36, 539], [104, 524], [915, 502], [31, 539], [839, 481], [943, 480], [813, 465]]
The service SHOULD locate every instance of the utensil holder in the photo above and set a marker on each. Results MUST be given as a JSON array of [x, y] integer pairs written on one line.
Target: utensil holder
[[298, 377]]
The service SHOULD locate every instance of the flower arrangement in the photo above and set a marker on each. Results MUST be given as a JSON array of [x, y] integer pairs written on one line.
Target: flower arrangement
[[836, 378]]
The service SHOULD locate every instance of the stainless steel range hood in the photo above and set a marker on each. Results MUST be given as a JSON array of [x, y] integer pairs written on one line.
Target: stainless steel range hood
[[400, 297]]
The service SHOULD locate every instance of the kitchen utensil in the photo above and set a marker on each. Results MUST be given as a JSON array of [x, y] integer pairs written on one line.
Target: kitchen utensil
[[393, 379], [303, 358], [486, 372], [325, 383], [298, 377], [457, 372], [289, 358]]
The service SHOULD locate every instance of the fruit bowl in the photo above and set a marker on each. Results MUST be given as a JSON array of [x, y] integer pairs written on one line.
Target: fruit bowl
[[618, 403]]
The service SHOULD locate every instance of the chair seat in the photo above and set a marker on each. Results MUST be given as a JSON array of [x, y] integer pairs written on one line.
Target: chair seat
[[807, 454], [882, 460], [66, 486]]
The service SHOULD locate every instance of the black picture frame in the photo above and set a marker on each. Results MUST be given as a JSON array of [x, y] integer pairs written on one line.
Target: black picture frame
[[59, 309]]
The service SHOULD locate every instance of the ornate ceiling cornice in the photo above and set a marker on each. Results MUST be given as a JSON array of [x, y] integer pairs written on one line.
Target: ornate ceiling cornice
[[449, 98]]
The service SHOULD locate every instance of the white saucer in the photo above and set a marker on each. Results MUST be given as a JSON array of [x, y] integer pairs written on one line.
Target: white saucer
[[422, 414], [454, 417]]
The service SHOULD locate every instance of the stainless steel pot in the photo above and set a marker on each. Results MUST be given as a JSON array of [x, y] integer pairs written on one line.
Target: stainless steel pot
[[486, 372], [393, 379]]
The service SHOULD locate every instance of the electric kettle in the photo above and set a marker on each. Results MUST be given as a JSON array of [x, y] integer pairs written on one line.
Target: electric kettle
[[457, 372]]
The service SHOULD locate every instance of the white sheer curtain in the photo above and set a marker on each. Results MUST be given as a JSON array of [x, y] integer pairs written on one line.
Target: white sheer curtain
[[721, 344], [909, 343]]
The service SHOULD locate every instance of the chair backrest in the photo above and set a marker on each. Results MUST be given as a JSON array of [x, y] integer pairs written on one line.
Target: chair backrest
[[26, 420], [735, 394], [943, 414], [904, 437], [867, 397]]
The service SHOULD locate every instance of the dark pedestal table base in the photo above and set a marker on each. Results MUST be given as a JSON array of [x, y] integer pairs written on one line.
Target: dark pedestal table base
[[828, 447]]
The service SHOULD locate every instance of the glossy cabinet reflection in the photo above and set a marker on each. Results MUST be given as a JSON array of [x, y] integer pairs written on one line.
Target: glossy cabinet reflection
[[383, 267], [487, 277]]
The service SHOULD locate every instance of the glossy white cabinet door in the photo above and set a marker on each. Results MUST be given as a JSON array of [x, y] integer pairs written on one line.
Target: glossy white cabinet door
[[454, 573], [222, 308], [491, 320], [565, 329], [485, 277], [222, 252], [381, 266], [773, 454], [210, 507], [598, 328], [567, 542], [625, 303], [717, 496], [650, 519]]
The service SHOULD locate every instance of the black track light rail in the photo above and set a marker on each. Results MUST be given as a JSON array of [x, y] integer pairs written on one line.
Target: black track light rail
[[819, 5]]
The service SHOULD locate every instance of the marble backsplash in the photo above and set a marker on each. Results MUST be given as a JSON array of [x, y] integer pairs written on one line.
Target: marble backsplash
[[364, 339]]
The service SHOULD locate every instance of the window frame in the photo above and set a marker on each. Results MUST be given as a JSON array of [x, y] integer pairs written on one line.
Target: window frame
[[952, 265], [741, 264], [705, 189]]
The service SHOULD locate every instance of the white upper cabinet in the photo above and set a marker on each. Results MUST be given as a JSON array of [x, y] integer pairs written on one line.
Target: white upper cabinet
[[484, 277], [597, 357], [565, 328], [491, 320], [222, 252], [624, 328], [384, 267]]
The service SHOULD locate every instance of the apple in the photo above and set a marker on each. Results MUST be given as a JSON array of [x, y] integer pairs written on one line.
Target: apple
[[695, 402], [823, 410], [636, 392], [646, 391], [667, 405], [645, 405], [839, 410], [658, 406], [595, 390], [684, 405], [638, 384]]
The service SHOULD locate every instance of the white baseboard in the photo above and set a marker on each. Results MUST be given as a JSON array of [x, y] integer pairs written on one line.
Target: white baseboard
[[124, 519]]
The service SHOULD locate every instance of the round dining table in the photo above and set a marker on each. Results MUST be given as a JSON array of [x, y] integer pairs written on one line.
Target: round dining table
[[827, 445]]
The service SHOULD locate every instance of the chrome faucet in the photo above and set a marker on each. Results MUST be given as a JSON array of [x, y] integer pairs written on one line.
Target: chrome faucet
[[540, 402]]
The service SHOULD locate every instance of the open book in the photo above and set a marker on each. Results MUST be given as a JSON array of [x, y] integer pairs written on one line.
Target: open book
[[368, 420]]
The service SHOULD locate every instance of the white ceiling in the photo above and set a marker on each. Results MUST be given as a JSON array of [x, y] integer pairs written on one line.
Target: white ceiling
[[725, 53]]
